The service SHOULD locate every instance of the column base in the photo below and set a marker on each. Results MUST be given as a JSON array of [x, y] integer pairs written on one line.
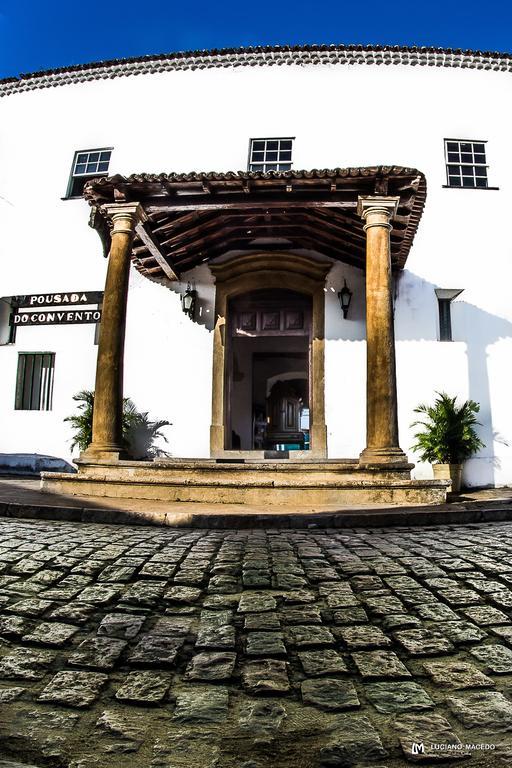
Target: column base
[[389, 456], [103, 452]]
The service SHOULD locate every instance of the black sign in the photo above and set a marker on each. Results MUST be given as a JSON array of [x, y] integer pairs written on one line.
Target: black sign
[[56, 317], [71, 298]]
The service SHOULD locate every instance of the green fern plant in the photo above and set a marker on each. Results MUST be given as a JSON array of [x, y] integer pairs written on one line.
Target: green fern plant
[[139, 432], [448, 435]]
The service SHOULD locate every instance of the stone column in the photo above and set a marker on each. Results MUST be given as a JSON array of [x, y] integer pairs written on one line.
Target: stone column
[[381, 401], [108, 396]]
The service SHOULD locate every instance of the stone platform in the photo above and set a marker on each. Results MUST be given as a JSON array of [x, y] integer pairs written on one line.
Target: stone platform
[[234, 481]]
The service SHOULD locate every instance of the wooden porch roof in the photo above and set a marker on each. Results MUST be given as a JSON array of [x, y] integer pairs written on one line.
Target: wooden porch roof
[[195, 217]]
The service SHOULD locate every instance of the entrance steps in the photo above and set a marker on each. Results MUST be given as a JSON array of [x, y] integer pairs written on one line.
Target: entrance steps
[[257, 481]]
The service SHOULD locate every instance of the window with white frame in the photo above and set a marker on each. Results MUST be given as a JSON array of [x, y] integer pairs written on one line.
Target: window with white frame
[[466, 164], [270, 154], [34, 381], [87, 164]]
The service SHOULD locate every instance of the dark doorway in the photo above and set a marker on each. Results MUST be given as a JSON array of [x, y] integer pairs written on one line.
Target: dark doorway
[[268, 376]]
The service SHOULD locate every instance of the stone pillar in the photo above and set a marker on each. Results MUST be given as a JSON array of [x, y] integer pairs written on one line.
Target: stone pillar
[[108, 396], [381, 401]]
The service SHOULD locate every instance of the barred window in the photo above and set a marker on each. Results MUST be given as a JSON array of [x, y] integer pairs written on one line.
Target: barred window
[[87, 164], [34, 381], [270, 155], [465, 163]]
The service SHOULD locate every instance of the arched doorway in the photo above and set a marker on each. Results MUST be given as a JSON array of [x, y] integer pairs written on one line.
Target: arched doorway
[[253, 293], [268, 371]]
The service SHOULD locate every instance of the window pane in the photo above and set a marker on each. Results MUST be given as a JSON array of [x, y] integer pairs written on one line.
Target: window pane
[[480, 182], [454, 181], [256, 167], [453, 157], [91, 168], [105, 156], [287, 155], [94, 157], [286, 144], [466, 147], [102, 166], [80, 168], [452, 146], [467, 170], [271, 156], [480, 159], [258, 157], [468, 181], [271, 167], [272, 144], [479, 148], [285, 166], [258, 145], [466, 157], [81, 157]]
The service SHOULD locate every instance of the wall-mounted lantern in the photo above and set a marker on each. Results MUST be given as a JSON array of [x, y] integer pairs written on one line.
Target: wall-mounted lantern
[[188, 301], [345, 297]]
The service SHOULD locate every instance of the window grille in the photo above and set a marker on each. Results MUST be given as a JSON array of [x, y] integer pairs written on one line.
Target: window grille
[[270, 155], [87, 164], [445, 320], [34, 381], [465, 163]]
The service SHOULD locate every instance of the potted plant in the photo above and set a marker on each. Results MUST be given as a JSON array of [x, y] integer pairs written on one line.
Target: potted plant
[[448, 436]]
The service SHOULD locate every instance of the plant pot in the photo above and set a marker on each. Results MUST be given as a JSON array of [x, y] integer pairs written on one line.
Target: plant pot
[[451, 472]]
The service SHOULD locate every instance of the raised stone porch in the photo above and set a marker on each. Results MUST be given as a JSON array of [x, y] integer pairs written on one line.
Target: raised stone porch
[[249, 481]]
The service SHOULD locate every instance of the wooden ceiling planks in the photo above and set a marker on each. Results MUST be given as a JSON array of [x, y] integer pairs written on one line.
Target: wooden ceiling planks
[[196, 217]]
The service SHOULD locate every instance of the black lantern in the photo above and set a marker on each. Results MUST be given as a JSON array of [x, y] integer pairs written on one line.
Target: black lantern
[[188, 301], [345, 297]]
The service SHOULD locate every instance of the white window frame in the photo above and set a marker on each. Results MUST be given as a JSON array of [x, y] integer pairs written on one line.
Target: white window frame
[[87, 174], [474, 165], [265, 165]]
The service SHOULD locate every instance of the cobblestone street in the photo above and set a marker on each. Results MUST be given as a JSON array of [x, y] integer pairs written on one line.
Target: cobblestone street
[[161, 648]]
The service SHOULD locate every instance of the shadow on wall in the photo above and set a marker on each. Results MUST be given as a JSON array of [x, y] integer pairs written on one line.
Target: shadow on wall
[[417, 319]]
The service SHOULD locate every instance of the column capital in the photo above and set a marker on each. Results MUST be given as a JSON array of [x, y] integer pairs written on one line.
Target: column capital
[[377, 205], [125, 216]]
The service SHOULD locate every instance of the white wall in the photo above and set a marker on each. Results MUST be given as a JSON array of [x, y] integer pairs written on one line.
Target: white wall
[[339, 116]]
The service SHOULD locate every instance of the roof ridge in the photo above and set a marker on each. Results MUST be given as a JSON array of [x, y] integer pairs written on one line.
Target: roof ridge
[[259, 55]]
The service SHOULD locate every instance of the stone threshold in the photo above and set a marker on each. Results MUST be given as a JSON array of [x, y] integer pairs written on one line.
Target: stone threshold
[[221, 516]]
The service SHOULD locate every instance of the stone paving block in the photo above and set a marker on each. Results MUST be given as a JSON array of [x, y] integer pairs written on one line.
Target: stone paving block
[[26, 664], [262, 621], [206, 705], [400, 621], [350, 616], [383, 605], [304, 615], [184, 595], [460, 597], [116, 573], [456, 674], [98, 652], [330, 694], [155, 650], [144, 687], [482, 709], [175, 626], [422, 642], [437, 612], [324, 662], [496, 658], [252, 602], [261, 719], [75, 613], [265, 677], [427, 729], [309, 636], [363, 636], [379, 664], [30, 607], [353, 741], [211, 666], [124, 626], [342, 600], [220, 637], [121, 724], [14, 626], [51, 633], [298, 596], [74, 689], [505, 633], [390, 697], [98, 594], [265, 644], [462, 632], [485, 615], [10, 694]]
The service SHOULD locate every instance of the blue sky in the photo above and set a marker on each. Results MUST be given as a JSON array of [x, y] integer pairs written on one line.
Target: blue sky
[[41, 34]]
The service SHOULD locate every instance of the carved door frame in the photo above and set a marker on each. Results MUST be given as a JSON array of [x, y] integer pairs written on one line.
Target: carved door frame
[[257, 271]]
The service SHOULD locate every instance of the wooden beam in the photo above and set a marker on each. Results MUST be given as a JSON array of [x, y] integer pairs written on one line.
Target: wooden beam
[[154, 249], [157, 206]]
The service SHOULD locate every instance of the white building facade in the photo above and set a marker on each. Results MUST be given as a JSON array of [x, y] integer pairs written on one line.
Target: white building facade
[[446, 114]]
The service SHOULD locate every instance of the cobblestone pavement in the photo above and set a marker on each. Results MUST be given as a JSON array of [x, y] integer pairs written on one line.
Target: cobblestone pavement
[[161, 648]]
